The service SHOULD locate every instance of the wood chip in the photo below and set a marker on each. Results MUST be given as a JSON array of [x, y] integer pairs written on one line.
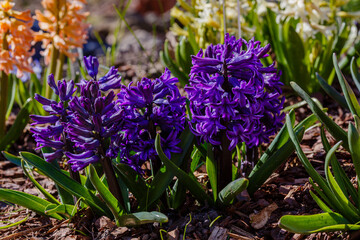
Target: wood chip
[[242, 232], [218, 233]]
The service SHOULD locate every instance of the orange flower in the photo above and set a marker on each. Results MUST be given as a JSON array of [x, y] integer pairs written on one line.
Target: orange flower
[[16, 37], [63, 26]]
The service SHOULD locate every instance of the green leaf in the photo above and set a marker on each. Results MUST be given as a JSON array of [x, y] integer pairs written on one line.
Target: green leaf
[[278, 151], [17, 128], [177, 194], [66, 209], [115, 206], [323, 222], [331, 92], [186, 51], [164, 177], [320, 203], [64, 195], [15, 223], [132, 180], [307, 165], [136, 219], [345, 207], [47, 195], [188, 179], [348, 92], [211, 169], [67, 183], [171, 65], [354, 73], [339, 173], [354, 143], [26, 200], [231, 190], [12, 158], [11, 96], [195, 159], [258, 177], [336, 131]]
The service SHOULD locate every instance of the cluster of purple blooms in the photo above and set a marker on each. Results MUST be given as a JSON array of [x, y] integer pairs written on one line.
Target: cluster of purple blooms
[[232, 93], [149, 105], [89, 127]]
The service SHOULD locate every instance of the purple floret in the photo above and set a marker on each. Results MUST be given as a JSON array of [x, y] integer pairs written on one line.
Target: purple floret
[[232, 92], [149, 105]]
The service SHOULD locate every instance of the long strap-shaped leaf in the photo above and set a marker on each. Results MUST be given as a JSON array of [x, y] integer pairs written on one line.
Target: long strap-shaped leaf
[[348, 92], [320, 203], [339, 173], [347, 209], [354, 73], [272, 159], [26, 200], [336, 131], [164, 177], [67, 183], [17, 128], [309, 168], [114, 206], [332, 92], [188, 179], [48, 196], [324, 222], [354, 143]]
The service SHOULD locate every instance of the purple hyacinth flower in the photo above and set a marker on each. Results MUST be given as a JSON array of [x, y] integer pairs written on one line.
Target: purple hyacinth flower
[[149, 105], [232, 93], [95, 120]]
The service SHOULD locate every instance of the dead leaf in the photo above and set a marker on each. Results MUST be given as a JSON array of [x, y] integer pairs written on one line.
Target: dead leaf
[[259, 220]]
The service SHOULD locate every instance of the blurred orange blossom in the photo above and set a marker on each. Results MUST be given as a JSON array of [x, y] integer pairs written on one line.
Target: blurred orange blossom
[[63, 27], [16, 37]]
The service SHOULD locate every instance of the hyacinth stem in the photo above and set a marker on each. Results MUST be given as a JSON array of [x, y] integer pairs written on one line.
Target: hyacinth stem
[[3, 102], [252, 156], [4, 81], [51, 69], [112, 180], [223, 157], [59, 66]]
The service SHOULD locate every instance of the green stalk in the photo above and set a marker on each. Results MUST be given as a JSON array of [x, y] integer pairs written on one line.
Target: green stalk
[[3, 102], [4, 78], [224, 162], [51, 69], [112, 180], [59, 66]]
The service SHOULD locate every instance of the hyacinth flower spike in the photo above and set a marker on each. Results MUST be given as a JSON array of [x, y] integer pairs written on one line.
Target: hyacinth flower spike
[[54, 134], [149, 106], [234, 99], [95, 120]]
